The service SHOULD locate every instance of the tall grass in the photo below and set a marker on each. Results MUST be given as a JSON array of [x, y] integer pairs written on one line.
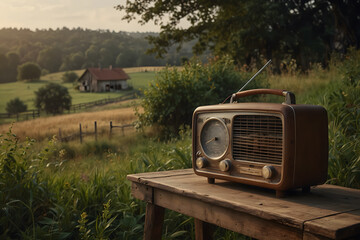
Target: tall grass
[[79, 191], [50, 199], [46, 127]]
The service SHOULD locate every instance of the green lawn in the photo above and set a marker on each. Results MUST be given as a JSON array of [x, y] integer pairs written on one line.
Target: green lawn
[[141, 80], [25, 91]]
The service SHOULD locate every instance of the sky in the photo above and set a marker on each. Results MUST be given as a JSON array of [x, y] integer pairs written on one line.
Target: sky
[[90, 14]]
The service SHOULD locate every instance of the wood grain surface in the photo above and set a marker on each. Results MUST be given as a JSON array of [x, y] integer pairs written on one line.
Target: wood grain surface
[[327, 212]]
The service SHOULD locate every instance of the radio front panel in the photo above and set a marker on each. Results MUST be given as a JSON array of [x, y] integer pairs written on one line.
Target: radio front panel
[[240, 144]]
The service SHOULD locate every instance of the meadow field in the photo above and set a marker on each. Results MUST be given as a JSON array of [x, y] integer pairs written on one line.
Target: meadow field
[[67, 187], [140, 78]]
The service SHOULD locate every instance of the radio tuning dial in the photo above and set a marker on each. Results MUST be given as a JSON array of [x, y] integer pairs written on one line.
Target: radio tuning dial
[[225, 165], [201, 162], [268, 171]]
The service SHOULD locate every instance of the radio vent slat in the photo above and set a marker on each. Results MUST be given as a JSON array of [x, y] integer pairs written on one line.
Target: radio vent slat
[[258, 138]]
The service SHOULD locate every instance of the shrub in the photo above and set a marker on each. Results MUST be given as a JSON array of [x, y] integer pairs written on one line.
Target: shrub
[[53, 98], [15, 106], [69, 77], [29, 71], [169, 102]]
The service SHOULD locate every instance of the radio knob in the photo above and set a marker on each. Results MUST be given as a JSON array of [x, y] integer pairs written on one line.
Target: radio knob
[[225, 165], [268, 171], [201, 162]]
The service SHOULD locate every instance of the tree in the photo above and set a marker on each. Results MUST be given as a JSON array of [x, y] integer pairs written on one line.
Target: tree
[[13, 62], [69, 77], [53, 98], [251, 29], [29, 71], [50, 59], [15, 106], [3, 68], [126, 58]]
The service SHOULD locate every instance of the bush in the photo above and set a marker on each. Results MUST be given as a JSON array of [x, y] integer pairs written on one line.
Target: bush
[[53, 98], [29, 71], [15, 106], [169, 102], [69, 77]]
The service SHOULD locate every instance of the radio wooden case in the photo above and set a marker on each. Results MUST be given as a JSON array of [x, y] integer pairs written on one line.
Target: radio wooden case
[[276, 146]]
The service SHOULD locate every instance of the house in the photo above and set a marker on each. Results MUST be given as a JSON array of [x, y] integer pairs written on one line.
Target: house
[[103, 80]]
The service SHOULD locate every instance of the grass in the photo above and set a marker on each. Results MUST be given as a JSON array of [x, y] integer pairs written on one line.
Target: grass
[[46, 127], [25, 90], [141, 80], [305, 86]]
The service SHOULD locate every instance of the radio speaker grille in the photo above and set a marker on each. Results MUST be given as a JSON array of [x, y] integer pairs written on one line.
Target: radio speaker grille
[[258, 138]]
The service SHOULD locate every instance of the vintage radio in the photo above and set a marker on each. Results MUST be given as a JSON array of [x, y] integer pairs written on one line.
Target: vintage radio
[[277, 146]]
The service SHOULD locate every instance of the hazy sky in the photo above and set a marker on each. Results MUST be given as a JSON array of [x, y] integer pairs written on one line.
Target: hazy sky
[[91, 14]]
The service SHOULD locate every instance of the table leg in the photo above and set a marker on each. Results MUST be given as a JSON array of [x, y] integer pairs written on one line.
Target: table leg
[[154, 219], [203, 230]]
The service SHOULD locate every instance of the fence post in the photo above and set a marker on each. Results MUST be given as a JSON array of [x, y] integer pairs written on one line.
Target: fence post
[[95, 129], [80, 133], [111, 126]]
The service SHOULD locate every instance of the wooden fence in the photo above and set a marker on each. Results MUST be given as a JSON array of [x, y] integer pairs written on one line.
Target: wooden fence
[[31, 114], [77, 107], [81, 134]]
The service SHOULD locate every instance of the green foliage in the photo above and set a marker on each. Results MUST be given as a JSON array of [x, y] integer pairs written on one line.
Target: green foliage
[[351, 68], [15, 106], [170, 100], [38, 201], [69, 77], [304, 30], [50, 58], [29, 71], [99, 148], [68, 50], [8, 66], [24, 197], [53, 98], [342, 102]]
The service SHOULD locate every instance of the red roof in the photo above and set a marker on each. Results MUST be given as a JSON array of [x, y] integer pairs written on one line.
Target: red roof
[[108, 74]]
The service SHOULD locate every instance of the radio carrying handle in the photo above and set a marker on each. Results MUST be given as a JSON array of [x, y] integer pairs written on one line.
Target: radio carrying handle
[[289, 96]]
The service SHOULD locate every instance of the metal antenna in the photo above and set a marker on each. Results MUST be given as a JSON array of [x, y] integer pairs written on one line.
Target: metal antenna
[[255, 75]]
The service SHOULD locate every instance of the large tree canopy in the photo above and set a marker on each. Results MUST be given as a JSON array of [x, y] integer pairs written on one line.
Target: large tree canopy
[[305, 30]]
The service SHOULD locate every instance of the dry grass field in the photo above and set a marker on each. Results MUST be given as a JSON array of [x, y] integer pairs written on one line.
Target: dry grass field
[[45, 128]]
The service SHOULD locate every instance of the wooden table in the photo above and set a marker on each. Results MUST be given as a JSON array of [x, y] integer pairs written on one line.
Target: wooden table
[[327, 212]]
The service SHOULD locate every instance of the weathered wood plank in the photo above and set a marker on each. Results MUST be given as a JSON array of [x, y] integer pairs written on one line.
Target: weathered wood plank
[[339, 226], [292, 211], [312, 236], [154, 219], [150, 175], [225, 217], [142, 192], [236, 207]]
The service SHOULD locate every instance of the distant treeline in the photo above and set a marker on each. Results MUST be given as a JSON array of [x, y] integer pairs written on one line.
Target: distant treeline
[[69, 49]]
